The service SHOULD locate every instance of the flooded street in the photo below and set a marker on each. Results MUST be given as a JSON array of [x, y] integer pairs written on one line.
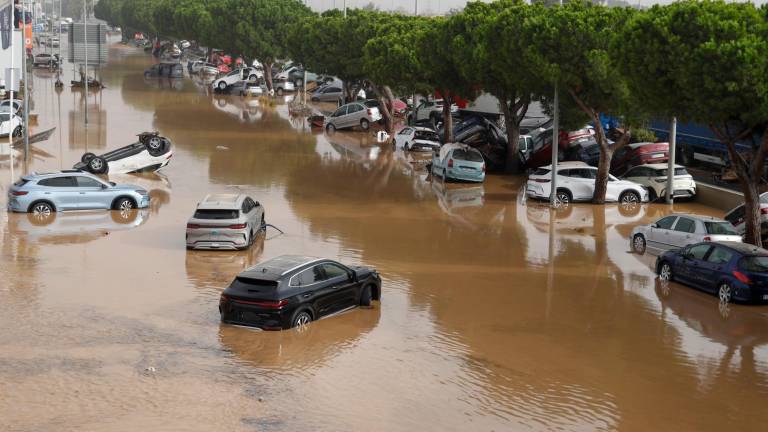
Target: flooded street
[[496, 314]]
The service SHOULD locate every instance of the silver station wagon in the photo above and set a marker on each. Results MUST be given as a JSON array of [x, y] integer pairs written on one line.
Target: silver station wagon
[[225, 222], [680, 230]]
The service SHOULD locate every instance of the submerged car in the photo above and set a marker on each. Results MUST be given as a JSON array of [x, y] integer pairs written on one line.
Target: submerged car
[[10, 125], [654, 177], [225, 222], [576, 182], [237, 75], [45, 60], [282, 86], [732, 271], [248, 88], [680, 230], [736, 216], [417, 139], [458, 162], [42, 194], [151, 153], [292, 291], [352, 115]]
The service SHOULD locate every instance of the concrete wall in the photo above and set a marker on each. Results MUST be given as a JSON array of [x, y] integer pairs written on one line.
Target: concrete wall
[[717, 197]]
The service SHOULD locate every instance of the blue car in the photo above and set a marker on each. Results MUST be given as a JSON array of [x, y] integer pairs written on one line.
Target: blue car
[[459, 162], [733, 271], [43, 194]]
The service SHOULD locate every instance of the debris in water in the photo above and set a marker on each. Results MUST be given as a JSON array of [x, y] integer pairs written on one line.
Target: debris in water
[[221, 147]]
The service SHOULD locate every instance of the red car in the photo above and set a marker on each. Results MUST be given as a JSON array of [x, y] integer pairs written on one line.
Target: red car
[[223, 68], [638, 154]]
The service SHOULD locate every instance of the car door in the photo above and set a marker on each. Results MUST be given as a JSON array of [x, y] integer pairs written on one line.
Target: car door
[[690, 264], [402, 137], [582, 184], [355, 114], [614, 188], [659, 235], [337, 118], [93, 194], [314, 289], [61, 191], [711, 270], [345, 289], [681, 234]]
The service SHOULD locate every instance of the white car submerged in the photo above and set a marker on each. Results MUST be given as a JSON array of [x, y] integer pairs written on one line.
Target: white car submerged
[[576, 182], [417, 139], [151, 153], [237, 75], [654, 177]]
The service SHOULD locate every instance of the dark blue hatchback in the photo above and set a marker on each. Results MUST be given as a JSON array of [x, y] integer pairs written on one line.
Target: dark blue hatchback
[[733, 271]]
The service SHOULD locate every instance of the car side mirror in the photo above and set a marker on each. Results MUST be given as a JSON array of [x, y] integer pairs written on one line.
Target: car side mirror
[[352, 276], [654, 225]]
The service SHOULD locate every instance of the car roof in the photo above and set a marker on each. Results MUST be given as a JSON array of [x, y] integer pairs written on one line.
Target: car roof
[[743, 248], [634, 146], [36, 175], [657, 166], [446, 148], [702, 218], [225, 201], [569, 164], [277, 267]]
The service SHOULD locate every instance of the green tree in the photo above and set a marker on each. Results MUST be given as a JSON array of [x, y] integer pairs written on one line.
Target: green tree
[[707, 62], [572, 46]]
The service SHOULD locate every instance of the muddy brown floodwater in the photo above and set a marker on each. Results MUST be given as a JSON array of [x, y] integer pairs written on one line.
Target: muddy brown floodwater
[[497, 315]]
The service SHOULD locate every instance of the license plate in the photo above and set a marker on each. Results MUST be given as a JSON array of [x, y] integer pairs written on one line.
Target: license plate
[[658, 155]]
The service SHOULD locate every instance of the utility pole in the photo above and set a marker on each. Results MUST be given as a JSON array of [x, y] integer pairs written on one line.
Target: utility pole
[[26, 79], [85, 39], [671, 162], [555, 145], [10, 84], [345, 8]]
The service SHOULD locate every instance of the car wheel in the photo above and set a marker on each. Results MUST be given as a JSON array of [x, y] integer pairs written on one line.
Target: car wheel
[[665, 272], [222, 85], [41, 209], [124, 204], [155, 146], [330, 128], [87, 158], [279, 91], [365, 124], [366, 296], [298, 83], [98, 165], [638, 244], [564, 197], [406, 147], [252, 78], [629, 197], [725, 293], [301, 319], [17, 132]]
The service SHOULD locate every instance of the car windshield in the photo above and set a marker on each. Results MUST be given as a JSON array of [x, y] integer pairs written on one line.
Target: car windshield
[[467, 155], [216, 214], [678, 172], [754, 264], [426, 135], [723, 228]]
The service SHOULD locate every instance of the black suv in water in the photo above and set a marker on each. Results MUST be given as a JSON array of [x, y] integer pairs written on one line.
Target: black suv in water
[[290, 291]]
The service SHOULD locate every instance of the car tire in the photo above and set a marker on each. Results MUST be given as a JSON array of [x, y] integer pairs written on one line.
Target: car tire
[[222, 85], [638, 244], [301, 319], [18, 131], [564, 197], [279, 91], [406, 147], [155, 145], [252, 77], [41, 208], [330, 128], [298, 83], [124, 204], [629, 197], [98, 165], [366, 296], [365, 124], [725, 292], [665, 272], [85, 158]]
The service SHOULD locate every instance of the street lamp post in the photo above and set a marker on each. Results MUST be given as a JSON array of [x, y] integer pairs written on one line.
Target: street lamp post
[[26, 78], [85, 40]]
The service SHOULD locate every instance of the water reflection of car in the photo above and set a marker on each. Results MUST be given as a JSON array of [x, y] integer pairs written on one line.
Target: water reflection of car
[[291, 291], [151, 153], [225, 222], [43, 194], [452, 197], [165, 70], [732, 271], [85, 225], [459, 162], [680, 230], [214, 270], [246, 110]]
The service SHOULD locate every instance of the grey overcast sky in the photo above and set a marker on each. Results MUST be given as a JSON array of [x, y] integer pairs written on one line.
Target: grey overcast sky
[[427, 7]]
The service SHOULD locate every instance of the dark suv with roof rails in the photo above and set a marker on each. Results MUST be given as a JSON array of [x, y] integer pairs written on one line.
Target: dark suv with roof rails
[[292, 291]]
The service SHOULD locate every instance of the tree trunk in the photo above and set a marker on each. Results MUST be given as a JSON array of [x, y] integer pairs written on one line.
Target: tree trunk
[[606, 154], [514, 111], [268, 75], [385, 106], [752, 233], [447, 119]]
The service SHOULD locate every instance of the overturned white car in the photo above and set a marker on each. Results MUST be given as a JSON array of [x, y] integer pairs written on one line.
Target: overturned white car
[[151, 153]]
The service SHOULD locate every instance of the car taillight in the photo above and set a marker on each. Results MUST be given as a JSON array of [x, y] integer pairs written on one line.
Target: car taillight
[[370, 113], [763, 210], [742, 277], [541, 180], [19, 193], [192, 226], [450, 163], [483, 167], [267, 304], [237, 226], [707, 238]]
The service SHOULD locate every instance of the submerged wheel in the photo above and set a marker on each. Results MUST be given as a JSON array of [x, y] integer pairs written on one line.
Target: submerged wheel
[[17, 132], [638, 244], [629, 197], [665, 272], [725, 293], [365, 124], [301, 319], [366, 296], [41, 209], [279, 91], [87, 157], [222, 85], [124, 204], [564, 197], [406, 147], [330, 128], [98, 165]]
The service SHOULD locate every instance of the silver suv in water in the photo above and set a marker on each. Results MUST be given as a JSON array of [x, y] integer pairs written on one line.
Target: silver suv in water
[[225, 222]]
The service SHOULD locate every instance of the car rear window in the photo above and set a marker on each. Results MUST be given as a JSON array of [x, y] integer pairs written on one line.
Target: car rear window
[[754, 264], [723, 228], [467, 155], [216, 214], [21, 182], [678, 172], [541, 171]]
